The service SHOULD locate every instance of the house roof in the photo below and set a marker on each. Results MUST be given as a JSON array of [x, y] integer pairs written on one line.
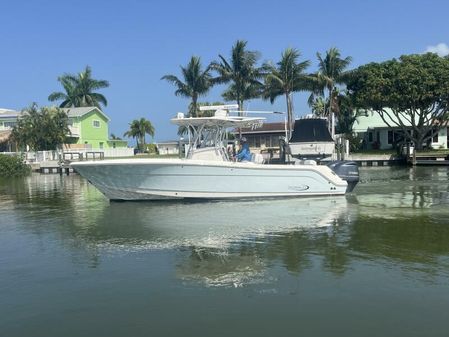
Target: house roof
[[372, 120], [79, 112], [4, 113], [168, 142], [71, 112]]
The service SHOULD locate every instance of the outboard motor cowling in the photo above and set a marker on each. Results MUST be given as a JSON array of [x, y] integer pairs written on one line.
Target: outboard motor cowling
[[346, 170]]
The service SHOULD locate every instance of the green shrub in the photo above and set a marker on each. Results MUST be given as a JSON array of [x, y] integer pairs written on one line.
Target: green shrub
[[355, 142], [13, 166], [152, 148]]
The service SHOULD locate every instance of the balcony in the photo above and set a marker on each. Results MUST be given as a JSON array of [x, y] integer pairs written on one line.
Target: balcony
[[74, 131]]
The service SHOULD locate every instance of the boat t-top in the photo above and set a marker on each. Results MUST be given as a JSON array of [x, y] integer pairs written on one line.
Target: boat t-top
[[208, 171]]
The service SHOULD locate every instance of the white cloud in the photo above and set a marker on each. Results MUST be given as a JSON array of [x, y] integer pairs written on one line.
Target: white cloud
[[442, 49]]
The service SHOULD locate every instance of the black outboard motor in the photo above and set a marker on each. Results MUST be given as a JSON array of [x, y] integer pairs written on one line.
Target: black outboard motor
[[346, 170]]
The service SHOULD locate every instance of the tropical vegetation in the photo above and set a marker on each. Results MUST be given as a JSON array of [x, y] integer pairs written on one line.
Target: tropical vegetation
[[247, 80], [285, 78], [410, 93], [80, 90], [332, 71], [138, 129], [195, 82], [13, 166], [41, 129], [241, 72]]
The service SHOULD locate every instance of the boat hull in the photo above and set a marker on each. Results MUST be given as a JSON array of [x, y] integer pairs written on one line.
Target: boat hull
[[179, 179]]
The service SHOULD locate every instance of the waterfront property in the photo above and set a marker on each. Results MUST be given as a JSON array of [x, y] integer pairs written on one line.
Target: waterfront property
[[376, 134], [8, 118], [170, 147], [89, 129]]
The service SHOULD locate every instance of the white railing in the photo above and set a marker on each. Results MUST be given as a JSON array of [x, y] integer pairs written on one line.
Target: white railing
[[106, 153], [74, 154], [35, 157], [117, 152]]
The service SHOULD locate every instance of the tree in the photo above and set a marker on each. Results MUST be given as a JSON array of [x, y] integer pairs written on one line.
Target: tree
[[331, 72], [196, 82], [318, 106], [41, 129], [285, 78], [138, 128], [241, 71], [80, 90], [114, 137], [346, 114], [410, 93]]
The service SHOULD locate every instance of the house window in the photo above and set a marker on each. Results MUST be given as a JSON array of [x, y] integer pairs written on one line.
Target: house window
[[435, 138], [251, 141], [267, 141], [370, 137], [96, 124], [257, 141], [390, 137], [9, 124], [101, 145]]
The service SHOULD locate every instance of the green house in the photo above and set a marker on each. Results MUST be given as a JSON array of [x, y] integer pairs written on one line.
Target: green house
[[89, 128]]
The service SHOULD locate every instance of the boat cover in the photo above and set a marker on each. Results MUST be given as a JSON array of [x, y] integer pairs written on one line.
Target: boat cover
[[310, 130]]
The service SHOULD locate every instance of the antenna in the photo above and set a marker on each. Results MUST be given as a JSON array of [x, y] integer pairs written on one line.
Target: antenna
[[257, 112], [219, 107]]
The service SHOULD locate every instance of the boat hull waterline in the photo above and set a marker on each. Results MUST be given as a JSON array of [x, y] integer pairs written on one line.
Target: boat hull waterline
[[162, 179]]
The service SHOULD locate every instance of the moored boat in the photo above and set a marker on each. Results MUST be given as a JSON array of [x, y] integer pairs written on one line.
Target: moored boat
[[208, 170]]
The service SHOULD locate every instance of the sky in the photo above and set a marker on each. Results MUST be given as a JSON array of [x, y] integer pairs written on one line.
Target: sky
[[132, 44]]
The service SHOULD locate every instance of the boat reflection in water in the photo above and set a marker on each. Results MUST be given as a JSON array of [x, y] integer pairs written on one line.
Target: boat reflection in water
[[222, 243], [215, 224]]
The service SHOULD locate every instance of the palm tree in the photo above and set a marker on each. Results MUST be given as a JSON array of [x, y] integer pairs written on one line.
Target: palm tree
[[80, 90], [285, 78], [318, 106], [138, 128], [69, 98], [196, 82], [331, 71], [241, 71]]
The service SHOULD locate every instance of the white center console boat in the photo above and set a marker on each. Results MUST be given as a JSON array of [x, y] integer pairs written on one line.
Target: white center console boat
[[207, 171]]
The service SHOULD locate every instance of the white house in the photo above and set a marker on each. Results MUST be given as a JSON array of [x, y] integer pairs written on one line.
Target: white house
[[168, 147], [378, 135]]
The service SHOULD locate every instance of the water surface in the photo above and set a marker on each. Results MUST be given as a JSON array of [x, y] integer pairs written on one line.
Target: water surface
[[373, 263]]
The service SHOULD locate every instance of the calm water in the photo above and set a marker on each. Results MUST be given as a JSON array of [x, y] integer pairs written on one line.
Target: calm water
[[375, 263]]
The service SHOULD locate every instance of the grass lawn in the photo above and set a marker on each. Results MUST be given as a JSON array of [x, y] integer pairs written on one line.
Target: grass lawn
[[432, 152]]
